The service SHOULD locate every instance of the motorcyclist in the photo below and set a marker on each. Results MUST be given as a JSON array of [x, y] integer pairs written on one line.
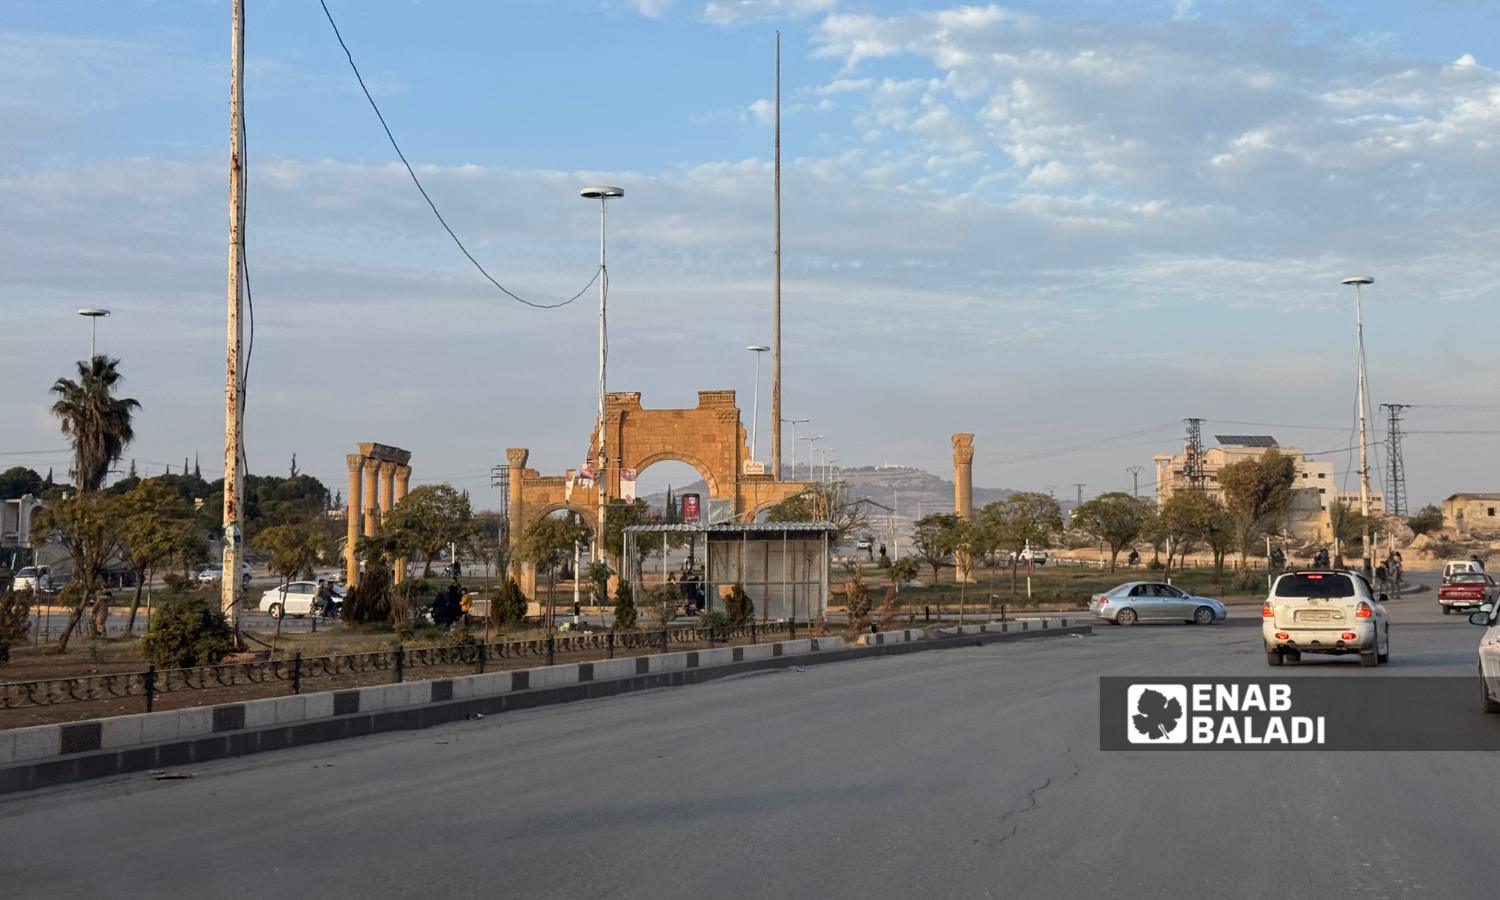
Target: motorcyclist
[[323, 601]]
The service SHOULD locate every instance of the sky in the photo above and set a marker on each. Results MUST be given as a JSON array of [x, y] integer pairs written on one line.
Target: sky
[[1062, 226]]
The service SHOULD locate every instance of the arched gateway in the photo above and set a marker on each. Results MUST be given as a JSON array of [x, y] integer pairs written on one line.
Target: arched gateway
[[708, 437]]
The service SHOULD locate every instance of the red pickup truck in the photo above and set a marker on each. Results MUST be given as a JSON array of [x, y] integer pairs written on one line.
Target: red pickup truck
[[1467, 590]]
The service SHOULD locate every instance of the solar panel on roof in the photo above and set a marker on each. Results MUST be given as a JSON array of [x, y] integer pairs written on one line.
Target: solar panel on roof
[[1246, 440]]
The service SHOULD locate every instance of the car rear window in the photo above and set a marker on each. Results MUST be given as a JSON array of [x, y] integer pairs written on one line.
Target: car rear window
[[1315, 584], [1470, 578]]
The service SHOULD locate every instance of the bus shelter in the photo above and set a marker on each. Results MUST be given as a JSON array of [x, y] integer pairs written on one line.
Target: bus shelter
[[782, 566]]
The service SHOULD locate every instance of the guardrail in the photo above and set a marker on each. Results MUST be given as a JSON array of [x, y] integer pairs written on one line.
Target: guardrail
[[295, 669]]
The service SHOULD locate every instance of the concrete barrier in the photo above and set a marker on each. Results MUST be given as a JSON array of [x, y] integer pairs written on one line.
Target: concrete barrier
[[46, 755], [882, 638]]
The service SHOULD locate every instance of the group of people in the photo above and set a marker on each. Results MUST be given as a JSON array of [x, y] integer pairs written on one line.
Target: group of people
[[690, 588]]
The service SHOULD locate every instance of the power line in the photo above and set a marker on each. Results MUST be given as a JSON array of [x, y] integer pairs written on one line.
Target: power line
[[418, 182]]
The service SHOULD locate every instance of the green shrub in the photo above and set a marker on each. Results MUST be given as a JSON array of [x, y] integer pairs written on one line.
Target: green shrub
[[176, 582], [370, 602], [857, 598], [15, 619], [411, 599], [884, 562], [625, 613], [712, 618], [187, 632], [738, 606], [508, 606]]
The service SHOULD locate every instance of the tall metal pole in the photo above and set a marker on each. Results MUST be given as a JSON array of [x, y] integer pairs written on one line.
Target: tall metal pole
[[601, 475], [755, 408], [1135, 479], [233, 410], [1364, 444], [776, 298]]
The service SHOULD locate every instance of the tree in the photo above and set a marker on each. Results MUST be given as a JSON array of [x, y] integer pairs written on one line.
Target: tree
[[1257, 493], [97, 422], [1024, 519], [508, 609], [618, 516], [427, 520], [1115, 518], [15, 619], [548, 545], [1347, 524], [825, 503], [85, 525], [625, 612], [370, 601], [19, 481], [1428, 519], [901, 570], [292, 549], [154, 526], [935, 538], [1184, 520]]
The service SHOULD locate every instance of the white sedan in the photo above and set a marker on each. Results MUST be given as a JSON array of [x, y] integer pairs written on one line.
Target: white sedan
[[294, 599], [1489, 656]]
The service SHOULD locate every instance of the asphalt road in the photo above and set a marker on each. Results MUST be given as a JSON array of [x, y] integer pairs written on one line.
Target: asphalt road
[[965, 773]]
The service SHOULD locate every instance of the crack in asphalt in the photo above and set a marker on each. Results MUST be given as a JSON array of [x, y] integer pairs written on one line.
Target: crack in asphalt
[[1029, 801]]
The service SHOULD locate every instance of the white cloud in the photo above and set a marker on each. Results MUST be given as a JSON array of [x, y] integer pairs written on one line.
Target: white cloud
[[653, 9], [736, 12]]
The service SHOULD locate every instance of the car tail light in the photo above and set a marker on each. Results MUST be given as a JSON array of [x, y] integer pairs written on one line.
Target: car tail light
[[1282, 635], [1363, 611], [1103, 601], [1266, 610], [1348, 635]]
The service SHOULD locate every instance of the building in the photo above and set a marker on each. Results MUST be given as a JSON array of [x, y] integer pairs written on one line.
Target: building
[[1475, 514], [15, 530], [1314, 490]]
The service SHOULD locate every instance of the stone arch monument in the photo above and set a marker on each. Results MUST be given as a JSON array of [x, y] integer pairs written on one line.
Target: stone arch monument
[[709, 437]]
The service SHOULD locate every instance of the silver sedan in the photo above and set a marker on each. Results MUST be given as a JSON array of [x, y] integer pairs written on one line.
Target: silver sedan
[[1139, 601]]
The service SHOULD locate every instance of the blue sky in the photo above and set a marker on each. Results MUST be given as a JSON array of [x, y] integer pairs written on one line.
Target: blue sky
[[1047, 223]]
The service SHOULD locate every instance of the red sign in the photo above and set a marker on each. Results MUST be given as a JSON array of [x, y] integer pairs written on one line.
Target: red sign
[[691, 514]]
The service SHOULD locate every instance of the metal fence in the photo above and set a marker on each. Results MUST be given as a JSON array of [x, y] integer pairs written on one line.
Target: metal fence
[[296, 669]]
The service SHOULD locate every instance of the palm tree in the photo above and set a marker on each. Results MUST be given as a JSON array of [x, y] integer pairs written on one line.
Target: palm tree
[[97, 422]]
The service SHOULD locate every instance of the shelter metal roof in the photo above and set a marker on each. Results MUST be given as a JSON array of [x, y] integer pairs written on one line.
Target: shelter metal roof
[[1246, 440], [730, 528]]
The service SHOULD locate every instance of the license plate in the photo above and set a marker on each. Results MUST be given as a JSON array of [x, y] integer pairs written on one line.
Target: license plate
[[1315, 615]]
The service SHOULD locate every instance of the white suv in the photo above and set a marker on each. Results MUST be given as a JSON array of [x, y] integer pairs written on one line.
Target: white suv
[[1324, 611]]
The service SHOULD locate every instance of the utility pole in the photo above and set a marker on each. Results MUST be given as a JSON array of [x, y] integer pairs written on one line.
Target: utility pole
[[234, 438], [1364, 442], [776, 297], [1079, 485], [1135, 479], [1396, 502]]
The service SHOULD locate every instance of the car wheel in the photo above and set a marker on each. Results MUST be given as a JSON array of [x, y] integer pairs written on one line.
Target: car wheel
[[275, 610], [1447, 610], [1125, 617], [1490, 705], [1386, 656], [1274, 658], [1203, 616]]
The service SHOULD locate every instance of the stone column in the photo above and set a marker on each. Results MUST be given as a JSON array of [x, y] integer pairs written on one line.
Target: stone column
[[963, 493], [963, 475], [515, 459], [372, 494], [403, 481], [356, 510]]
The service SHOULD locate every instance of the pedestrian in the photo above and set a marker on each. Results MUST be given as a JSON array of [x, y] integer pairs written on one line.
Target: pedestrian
[[1381, 574]]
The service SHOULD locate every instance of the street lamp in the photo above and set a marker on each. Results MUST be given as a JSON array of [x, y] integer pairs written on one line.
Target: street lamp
[[1359, 281], [602, 193], [93, 315], [793, 423], [811, 448], [757, 349]]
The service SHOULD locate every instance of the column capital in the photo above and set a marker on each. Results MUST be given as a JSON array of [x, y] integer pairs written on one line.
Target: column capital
[[356, 462], [387, 468], [403, 472], [516, 457], [963, 448]]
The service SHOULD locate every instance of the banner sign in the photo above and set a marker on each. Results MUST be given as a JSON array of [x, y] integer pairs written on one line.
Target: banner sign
[[1335, 712], [692, 513]]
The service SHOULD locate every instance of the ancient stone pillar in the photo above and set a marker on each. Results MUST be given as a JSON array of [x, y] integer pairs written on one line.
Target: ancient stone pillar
[[963, 475], [356, 510], [515, 458], [371, 497], [963, 494], [403, 482]]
